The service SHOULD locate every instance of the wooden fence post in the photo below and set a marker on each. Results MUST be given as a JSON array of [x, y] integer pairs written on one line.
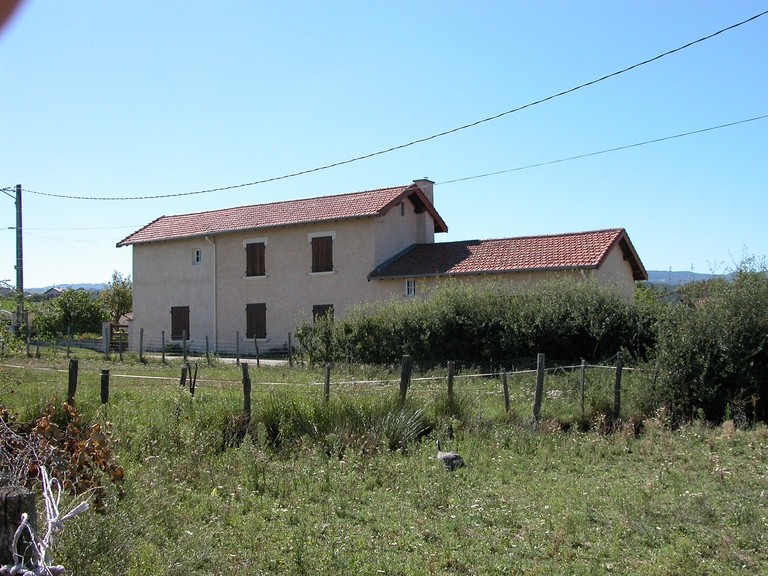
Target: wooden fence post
[[207, 351], [246, 393], [582, 380], [72, 384], [237, 347], [183, 378], [256, 345], [184, 344], [192, 380], [106, 333], [120, 345], [505, 388], [141, 345], [405, 375], [105, 386], [15, 501], [450, 381], [327, 381], [162, 343], [539, 386], [290, 351], [617, 387]]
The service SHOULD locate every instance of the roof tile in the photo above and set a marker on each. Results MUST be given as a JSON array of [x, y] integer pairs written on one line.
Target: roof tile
[[323, 208], [579, 250]]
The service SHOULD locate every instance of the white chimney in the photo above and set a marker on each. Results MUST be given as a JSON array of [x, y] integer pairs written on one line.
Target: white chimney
[[426, 187]]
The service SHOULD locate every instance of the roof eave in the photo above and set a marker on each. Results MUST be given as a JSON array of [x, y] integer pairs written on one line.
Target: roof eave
[[236, 230], [373, 276]]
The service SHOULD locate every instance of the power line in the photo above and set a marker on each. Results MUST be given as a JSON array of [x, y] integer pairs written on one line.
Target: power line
[[616, 149], [420, 140], [498, 172]]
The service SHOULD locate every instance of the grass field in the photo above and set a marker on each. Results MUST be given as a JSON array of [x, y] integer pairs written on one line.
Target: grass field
[[317, 489]]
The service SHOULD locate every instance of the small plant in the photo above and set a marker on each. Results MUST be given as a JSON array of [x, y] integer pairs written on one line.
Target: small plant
[[77, 455]]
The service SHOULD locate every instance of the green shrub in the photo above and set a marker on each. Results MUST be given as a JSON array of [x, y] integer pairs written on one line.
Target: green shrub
[[77, 309], [712, 348], [566, 320]]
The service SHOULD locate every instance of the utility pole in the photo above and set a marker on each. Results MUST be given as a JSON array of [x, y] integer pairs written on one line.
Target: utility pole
[[19, 264]]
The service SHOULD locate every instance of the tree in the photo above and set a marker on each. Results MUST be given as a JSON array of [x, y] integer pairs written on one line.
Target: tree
[[117, 297], [77, 309]]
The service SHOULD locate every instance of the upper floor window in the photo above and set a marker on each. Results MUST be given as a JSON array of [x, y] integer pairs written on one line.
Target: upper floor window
[[410, 287], [197, 256], [255, 257], [322, 251]]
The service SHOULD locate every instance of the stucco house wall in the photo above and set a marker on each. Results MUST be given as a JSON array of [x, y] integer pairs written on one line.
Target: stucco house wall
[[163, 277]]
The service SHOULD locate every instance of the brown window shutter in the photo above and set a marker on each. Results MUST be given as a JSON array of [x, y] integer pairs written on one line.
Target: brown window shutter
[[254, 259], [256, 320], [322, 254], [322, 310], [179, 322]]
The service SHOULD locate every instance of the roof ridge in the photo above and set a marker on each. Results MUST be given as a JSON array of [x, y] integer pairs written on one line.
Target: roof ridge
[[277, 202], [561, 235]]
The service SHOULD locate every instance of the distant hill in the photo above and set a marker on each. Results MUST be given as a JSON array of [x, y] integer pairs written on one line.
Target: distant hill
[[89, 287], [672, 278]]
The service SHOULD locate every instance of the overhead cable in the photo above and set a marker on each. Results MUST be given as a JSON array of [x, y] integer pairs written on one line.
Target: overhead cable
[[635, 145], [420, 140]]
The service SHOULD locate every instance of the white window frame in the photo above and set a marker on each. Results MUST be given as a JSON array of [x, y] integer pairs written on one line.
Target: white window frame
[[197, 257], [332, 234], [255, 241], [410, 287]]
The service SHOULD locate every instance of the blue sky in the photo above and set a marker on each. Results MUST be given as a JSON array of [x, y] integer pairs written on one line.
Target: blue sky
[[107, 99]]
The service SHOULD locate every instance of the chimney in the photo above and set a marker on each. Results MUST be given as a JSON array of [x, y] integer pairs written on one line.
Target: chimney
[[426, 187]]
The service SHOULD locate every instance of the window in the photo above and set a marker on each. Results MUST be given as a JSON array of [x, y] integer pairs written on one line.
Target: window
[[322, 254], [179, 322], [410, 287], [255, 264], [197, 256], [255, 320], [402, 208], [322, 311]]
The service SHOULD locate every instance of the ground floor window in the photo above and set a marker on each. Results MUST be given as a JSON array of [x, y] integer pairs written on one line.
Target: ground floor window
[[179, 322], [322, 310], [256, 320]]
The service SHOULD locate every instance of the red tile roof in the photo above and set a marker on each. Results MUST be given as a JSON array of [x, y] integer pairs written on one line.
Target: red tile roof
[[580, 250], [341, 206]]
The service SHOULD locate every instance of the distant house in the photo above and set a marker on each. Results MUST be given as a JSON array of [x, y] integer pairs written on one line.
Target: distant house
[[255, 271], [5, 291], [52, 292]]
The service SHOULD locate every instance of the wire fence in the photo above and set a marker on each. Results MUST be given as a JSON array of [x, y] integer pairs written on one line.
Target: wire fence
[[569, 389]]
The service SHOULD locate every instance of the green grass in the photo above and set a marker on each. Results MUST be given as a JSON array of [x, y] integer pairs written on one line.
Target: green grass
[[334, 498]]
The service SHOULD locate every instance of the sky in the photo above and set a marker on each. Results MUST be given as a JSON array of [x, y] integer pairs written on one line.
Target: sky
[[128, 99]]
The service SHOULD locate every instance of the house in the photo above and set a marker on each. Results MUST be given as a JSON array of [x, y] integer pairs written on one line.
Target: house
[[253, 272], [52, 292]]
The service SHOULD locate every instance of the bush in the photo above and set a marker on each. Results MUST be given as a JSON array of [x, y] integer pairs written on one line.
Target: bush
[[77, 309], [712, 348], [567, 320]]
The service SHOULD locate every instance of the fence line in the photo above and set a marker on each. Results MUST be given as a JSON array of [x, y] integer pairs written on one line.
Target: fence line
[[342, 382], [189, 373]]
